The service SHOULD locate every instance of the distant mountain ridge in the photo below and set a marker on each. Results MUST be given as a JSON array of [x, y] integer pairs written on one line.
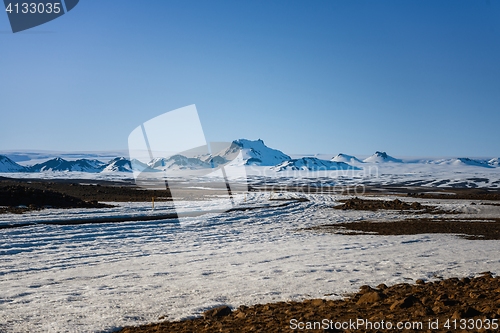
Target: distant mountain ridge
[[381, 157], [179, 162], [346, 158], [60, 164], [240, 152], [494, 162], [119, 164], [8, 165], [312, 164]]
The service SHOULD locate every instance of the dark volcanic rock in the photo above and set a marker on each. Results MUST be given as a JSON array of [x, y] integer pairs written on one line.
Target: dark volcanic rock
[[468, 228], [16, 196], [220, 311], [373, 205], [414, 303]]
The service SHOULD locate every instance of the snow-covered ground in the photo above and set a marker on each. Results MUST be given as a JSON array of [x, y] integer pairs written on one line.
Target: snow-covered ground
[[98, 277]]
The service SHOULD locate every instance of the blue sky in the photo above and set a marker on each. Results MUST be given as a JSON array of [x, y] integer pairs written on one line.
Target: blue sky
[[413, 78]]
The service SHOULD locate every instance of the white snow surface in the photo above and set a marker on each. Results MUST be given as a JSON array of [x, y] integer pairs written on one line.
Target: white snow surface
[[99, 277]]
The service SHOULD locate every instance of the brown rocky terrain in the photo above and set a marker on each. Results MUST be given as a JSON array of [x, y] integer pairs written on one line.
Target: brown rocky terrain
[[21, 195], [373, 205], [457, 193], [17, 199], [90, 190], [451, 305], [474, 229]]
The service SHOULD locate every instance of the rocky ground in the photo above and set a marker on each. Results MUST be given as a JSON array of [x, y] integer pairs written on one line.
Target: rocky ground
[[451, 305], [20, 195], [373, 205], [474, 229], [18, 199]]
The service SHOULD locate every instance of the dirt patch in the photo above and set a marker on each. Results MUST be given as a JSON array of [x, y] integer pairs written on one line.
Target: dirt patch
[[490, 204], [396, 204], [457, 193], [474, 229], [19, 195], [18, 199], [88, 190], [452, 299]]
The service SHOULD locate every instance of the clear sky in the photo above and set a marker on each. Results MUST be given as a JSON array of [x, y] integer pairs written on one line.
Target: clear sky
[[413, 78]]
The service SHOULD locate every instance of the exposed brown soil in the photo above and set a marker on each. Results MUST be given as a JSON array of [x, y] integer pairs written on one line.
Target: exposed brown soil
[[91, 190], [17, 199], [458, 193], [471, 302], [474, 229], [18, 195], [373, 205]]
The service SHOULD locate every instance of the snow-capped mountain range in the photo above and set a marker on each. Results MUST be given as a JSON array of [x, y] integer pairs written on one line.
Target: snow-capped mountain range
[[312, 164], [59, 164], [8, 165], [253, 153]]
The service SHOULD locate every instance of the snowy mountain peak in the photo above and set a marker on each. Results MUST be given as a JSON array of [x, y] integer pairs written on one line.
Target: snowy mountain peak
[[494, 162], [119, 164], [55, 164], [8, 165], [312, 164], [381, 157], [346, 159], [257, 153]]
